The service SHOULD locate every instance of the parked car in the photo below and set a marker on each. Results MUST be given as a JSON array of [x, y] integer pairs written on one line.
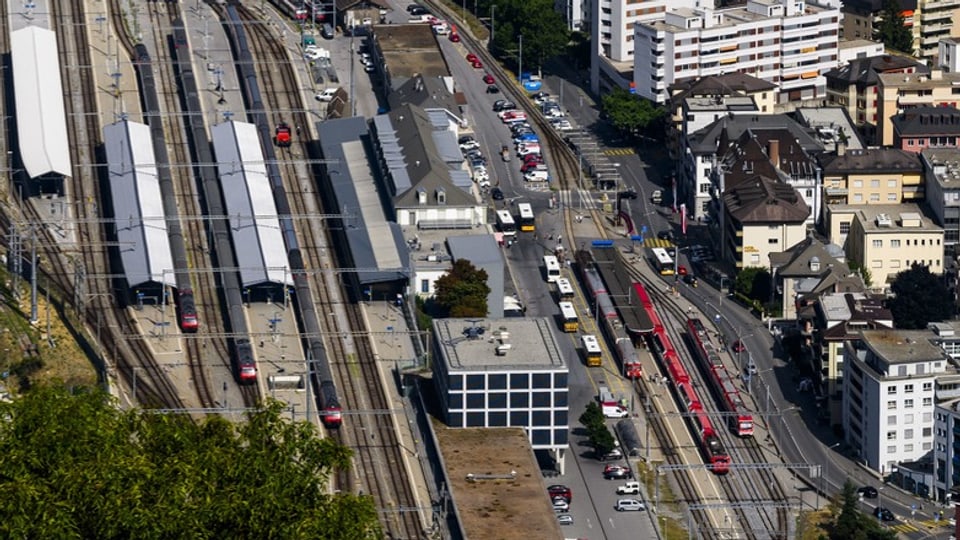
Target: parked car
[[471, 58], [477, 64], [868, 492], [560, 505], [612, 455], [565, 519], [611, 472], [455, 37], [883, 514], [496, 194], [501, 105], [492, 89], [559, 490], [629, 488], [738, 346], [630, 505], [327, 94], [488, 78], [469, 145], [532, 166]]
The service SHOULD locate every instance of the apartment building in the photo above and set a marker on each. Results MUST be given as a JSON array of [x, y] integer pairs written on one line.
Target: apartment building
[[941, 169], [888, 239], [807, 270], [901, 91], [611, 25], [854, 86], [862, 17], [933, 21], [787, 42], [870, 176], [926, 127], [850, 49], [888, 395], [760, 216]]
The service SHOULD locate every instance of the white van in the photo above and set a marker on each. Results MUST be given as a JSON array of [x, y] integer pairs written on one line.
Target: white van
[[524, 149], [536, 176], [628, 505]]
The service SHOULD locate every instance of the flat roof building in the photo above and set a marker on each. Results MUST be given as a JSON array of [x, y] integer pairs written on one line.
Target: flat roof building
[[504, 373]]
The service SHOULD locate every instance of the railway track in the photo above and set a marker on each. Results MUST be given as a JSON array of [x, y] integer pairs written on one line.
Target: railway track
[[379, 469], [133, 356], [752, 487]]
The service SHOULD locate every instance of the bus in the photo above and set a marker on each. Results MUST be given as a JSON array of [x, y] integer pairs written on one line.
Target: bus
[[569, 316], [662, 261], [551, 267], [505, 223], [591, 350], [527, 221], [564, 289]]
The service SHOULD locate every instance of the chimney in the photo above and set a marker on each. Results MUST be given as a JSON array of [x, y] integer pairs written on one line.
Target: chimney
[[841, 148], [773, 152]]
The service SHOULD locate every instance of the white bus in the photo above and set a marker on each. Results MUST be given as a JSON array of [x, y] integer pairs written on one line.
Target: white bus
[[662, 261], [552, 268], [527, 220], [564, 289], [568, 314], [505, 223]]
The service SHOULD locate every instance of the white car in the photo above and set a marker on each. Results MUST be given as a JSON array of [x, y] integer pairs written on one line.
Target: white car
[[469, 145], [560, 505], [327, 95], [563, 125], [630, 505]]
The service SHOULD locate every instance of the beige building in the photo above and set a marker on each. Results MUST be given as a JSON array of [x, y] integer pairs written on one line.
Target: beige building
[[761, 216], [899, 91], [871, 176], [888, 239]]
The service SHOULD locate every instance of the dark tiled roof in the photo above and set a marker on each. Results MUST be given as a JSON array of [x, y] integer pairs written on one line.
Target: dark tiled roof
[[748, 156], [927, 121], [863, 71], [872, 159], [728, 84], [763, 200]]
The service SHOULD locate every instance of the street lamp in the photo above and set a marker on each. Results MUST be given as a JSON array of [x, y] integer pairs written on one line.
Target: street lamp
[[520, 61]]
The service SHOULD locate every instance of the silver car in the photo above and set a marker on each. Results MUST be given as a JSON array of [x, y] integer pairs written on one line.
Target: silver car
[[565, 519]]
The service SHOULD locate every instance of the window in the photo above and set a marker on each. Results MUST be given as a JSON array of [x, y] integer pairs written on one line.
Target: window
[[519, 418], [874, 197], [927, 432], [927, 402], [874, 183], [541, 380], [895, 243], [497, 400], [519, 400], [908, 433], [424, 285], [891, 435], [892, 420], [878, 243], [891, 390], [773, 241], [908, 389], [858, 183], [892, 404], [475, 401], [891, 183], [891, 449], [901, 371], [908, 404], [497, 381], [908, 448], [858, 197], [927, 386], [541, 399], [519, 381], [845, 227], [908, 418], [497, 419], [891, 197], [475, 382]]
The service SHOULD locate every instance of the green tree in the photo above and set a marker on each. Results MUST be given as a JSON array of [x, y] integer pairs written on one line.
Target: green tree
[[921, 298], [754, 283], [76, 466], [462, 292], [630, 113], [579, 50], [892, 30], [599, 435], [592, 416], [545, 34], [850, 523]]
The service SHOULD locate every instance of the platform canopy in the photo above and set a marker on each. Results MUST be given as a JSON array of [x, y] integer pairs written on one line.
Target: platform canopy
[[144, 244], [38, 93], [254, 226]]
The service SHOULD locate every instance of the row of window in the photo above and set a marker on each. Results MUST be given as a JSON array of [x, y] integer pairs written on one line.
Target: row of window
[[498, 400], [875, 197], [534, 419], [908, 434], [908, 388], [932, 141], [908, 448], [896, 242], [498, 381]]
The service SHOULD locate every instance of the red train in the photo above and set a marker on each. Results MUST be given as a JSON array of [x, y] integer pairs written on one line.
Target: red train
[[724, 386], [710, 443], [187, 311]]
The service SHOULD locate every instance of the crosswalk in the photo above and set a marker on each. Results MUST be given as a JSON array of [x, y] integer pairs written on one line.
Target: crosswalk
[[578, 198], [906, 527], [656, 243], [619, 152]]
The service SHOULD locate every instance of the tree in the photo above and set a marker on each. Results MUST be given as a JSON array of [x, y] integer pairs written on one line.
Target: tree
[[892, 31], [545, 34], [754, 283], [76, 466], [592, 415], [630, 113], [921, 298], [600, 437], [850, 523], [462, 292]]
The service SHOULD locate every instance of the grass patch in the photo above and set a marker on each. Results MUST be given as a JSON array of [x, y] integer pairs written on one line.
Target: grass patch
[[476, 27], [811, 525]]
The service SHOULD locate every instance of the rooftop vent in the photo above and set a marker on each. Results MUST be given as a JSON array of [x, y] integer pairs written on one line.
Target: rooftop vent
[[474, 332], [883, 220]]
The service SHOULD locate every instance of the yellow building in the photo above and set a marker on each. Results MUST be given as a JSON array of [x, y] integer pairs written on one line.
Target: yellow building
[[899, 91], [888, 239], [761, 216]]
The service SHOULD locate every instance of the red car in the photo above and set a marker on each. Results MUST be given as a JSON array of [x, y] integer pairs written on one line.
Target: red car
[[530, 166], [560, 491], [477, 64], [488, 78], [532, 157], [455, 37], [471, 58], [738, 346]]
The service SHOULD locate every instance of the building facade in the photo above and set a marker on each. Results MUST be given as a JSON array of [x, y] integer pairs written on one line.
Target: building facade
[[926, 127], [493, 373], [888, 395], [871, 176], [941, 168], [902, 91], [789, 42]]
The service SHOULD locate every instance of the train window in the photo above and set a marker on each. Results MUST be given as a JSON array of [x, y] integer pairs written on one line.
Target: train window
[[497, 400], [519, 399], [519, 381], [475, 382], [476, 419], [497, 381], [541, 380], [519, 418], [497, 419]]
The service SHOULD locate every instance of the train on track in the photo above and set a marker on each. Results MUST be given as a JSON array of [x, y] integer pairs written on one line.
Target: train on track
[[186, 306], [319, 369], [707, 437], [242, 360], [607, 317], [723, 384]]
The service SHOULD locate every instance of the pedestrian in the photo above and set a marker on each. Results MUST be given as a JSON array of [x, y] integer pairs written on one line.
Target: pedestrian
[[559, 238], [298, 131]]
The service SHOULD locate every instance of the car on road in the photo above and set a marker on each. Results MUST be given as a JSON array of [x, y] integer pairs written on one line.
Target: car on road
[[560, 505], [327, 95], [868, 492], [493, 89], [884, 514], [477, 64], [738, 346], [455, 37], [415, 7], [565, 519], [501, 105], [560, 490], [612, 455], [467, 146], [630, 505], [497, 194], [629, 488], [471, 58], [488, 78], [611, 472], [665, 235]]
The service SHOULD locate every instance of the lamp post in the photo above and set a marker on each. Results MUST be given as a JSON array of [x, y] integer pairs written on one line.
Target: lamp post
[[520, 61]]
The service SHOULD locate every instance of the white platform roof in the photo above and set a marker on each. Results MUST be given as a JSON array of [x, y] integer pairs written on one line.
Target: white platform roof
[[254, 226], [137, 205], [41, 118]]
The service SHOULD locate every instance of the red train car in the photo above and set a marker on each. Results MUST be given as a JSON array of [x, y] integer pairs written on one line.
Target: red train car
[[710, 444], [187, 311], [723, 384]]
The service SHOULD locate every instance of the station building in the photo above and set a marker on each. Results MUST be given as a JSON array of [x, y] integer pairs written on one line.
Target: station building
[[494, 373]]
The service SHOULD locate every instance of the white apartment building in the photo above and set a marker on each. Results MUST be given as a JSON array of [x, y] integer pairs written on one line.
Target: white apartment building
[[791, 43], [574, 12], [611, 30], [888, 395]]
